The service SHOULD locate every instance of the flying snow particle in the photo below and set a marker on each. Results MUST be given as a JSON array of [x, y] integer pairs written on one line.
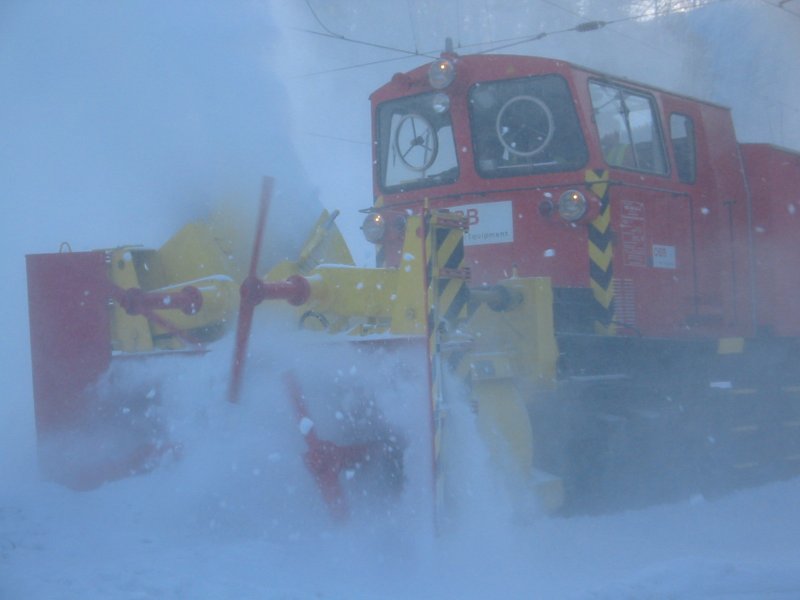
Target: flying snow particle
[[306, 425]]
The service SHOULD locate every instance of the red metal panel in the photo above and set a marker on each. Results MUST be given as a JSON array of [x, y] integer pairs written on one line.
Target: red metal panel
[[721, 225], [774, 178], [86, 436], [653, 252], [70, 333]]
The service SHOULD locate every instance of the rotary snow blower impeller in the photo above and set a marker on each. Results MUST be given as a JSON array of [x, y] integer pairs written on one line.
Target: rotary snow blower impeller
[[325, 459]]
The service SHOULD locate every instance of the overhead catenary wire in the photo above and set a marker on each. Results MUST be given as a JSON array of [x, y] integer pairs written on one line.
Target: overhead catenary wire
[[564, 8], [352, 67], [319, 21], [582, 27], [337, 36], [783, 5]]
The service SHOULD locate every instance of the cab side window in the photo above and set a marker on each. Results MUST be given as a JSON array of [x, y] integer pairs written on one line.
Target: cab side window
[[628, 128], [681, 130]]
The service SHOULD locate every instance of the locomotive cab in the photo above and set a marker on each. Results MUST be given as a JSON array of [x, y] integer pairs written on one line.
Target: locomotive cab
[[631, 199], [659, 235]]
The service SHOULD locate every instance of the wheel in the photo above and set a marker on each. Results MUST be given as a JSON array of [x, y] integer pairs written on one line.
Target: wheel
[[416, 142], [525, 125]]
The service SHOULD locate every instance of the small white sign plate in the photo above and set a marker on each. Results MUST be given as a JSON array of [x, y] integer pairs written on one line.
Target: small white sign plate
[[664, 257], [489, 223]]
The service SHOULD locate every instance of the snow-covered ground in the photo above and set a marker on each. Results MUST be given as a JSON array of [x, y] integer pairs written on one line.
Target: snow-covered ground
[[121, 121], [136, 540]]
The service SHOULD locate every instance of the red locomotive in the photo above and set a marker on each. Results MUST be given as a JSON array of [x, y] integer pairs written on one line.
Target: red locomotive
[[670, 246]]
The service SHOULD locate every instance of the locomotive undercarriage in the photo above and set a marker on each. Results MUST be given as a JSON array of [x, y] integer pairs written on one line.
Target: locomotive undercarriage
[[645, 421]]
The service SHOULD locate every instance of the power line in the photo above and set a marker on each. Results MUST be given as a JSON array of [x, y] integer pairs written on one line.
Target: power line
[[517, 40], [782, 6], [356, 66], [319, 21], [337, 36], [582, 27], [565, 9]]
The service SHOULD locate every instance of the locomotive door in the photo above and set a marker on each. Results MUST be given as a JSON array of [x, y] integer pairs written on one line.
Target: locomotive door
[[654, 280]]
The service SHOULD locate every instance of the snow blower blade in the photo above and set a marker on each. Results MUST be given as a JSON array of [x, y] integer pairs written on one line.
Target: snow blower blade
[[248, 300], [325, 460]]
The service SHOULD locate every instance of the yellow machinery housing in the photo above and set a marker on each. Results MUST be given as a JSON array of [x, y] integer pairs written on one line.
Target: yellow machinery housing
[[498, 341]]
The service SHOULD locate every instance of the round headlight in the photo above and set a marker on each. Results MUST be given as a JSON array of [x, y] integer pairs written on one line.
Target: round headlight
[[572, 205], [374, 228], [441, 102], [441, 74]]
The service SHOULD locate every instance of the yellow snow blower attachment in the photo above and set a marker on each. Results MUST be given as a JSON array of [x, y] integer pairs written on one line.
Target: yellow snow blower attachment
[[488, 350]]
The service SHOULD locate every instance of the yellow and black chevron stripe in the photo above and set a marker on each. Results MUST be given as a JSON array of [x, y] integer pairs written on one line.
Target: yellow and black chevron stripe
[[446, 269], [447, 296], [601, 254]]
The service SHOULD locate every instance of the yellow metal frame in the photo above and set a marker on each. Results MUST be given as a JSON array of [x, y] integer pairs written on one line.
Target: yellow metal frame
[[506, 355]]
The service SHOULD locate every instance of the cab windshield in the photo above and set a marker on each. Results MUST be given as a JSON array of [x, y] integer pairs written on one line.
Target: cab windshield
[[525, 126], [416, 145]]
